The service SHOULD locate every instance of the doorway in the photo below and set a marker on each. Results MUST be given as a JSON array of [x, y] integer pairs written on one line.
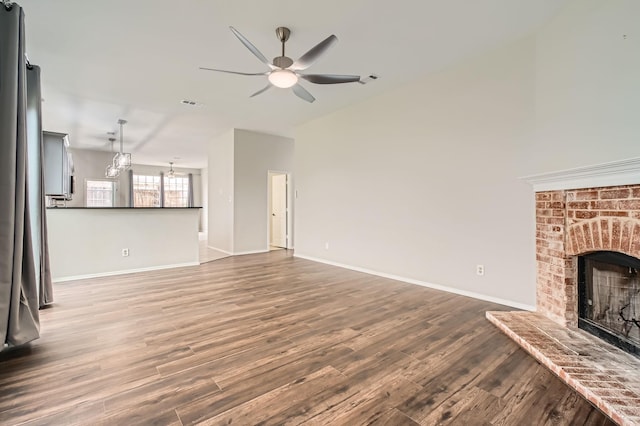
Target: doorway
[[278, 210]]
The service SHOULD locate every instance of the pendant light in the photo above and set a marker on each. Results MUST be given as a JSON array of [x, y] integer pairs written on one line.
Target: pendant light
[[122, 160], [111, 171], [171, 174]]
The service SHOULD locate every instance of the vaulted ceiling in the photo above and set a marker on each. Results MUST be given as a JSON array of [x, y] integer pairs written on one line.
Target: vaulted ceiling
[[138, 60]]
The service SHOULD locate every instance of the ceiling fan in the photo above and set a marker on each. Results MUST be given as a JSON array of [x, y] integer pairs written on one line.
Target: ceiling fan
[[284, 72]]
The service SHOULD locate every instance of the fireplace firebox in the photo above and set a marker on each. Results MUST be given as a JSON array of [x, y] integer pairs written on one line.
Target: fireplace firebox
[[609, 298]]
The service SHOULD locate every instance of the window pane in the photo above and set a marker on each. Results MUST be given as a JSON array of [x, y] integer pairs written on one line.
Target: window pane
[[176, 192], [146, 191], [99, 193]]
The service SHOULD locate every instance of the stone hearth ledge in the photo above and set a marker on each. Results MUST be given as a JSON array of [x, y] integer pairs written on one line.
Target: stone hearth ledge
[[606, 376]]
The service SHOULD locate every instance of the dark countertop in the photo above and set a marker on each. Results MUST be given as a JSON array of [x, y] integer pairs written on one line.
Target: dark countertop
[[122, 208]]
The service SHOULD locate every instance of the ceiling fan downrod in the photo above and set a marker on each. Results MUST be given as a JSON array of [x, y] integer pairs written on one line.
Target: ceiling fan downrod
[[283, 34]]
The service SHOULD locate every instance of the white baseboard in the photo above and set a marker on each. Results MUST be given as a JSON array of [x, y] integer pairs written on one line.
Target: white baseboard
[[219, 249], [126, 271], [240, 253], [423, 283]]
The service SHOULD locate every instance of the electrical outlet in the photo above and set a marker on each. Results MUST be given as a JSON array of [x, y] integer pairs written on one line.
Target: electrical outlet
[[125, 252], [479, 269], [326, 245]]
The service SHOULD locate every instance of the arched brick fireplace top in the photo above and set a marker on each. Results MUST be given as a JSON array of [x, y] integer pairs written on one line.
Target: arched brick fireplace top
[[621, 234]]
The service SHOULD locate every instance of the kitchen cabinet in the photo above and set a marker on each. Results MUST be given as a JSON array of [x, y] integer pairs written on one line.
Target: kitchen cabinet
[[58, 166]]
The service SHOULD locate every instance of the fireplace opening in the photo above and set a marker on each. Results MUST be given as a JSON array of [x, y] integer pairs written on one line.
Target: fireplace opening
[[609, 298]]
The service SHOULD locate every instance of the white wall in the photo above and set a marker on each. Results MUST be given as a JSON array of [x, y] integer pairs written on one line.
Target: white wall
[[220, 187], [88, 242], [204, 218], [423, 182], [587, 88], [255, 154]]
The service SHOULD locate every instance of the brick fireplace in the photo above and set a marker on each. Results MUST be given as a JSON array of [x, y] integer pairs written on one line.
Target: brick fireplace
[[575, 222], [580, 211]]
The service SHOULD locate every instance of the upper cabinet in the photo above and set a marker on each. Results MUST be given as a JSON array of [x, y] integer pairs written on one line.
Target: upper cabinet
[[58, 166]]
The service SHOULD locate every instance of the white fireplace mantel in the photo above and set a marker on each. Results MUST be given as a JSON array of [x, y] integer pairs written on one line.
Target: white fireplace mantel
[[623, 172]]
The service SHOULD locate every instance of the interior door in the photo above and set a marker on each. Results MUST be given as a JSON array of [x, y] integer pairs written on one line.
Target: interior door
[[279, 210]]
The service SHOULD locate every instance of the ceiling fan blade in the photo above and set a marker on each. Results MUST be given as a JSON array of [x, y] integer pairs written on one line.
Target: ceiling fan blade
[[312, 55], [235, 72], [329, 78], [251, 47], [302, 93], [261, 91]]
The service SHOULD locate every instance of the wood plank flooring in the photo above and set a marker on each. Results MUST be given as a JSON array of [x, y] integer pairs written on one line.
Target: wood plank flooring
[[270, 339]]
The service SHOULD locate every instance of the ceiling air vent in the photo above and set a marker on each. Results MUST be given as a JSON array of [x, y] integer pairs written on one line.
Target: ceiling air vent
[[188, 102]]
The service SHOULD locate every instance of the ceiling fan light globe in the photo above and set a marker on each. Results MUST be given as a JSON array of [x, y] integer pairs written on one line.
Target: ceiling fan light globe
[[283, 78]]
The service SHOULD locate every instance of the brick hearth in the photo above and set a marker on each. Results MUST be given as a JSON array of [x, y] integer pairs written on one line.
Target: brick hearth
[[601, 373]]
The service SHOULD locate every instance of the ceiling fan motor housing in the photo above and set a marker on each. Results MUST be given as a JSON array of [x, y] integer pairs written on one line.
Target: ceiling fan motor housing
[[282, 62]]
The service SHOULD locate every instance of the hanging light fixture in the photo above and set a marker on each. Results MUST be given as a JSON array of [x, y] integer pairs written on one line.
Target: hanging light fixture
[[171, 174], [111, 171], [122, 160]]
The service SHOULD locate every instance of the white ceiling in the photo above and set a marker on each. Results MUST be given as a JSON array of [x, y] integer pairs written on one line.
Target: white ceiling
[[136, 60]]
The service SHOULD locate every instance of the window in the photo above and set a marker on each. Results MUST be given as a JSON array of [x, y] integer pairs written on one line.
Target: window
[[146, 191], [176, 192], [99, 193]]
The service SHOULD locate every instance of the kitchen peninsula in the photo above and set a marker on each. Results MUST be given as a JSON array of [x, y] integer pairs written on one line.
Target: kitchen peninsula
[[91, 242]]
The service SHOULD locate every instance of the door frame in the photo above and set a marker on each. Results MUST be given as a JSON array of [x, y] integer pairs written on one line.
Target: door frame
[[289, 221]]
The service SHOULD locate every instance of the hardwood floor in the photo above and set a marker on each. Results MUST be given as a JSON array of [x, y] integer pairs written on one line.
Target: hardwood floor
[[272, 339]]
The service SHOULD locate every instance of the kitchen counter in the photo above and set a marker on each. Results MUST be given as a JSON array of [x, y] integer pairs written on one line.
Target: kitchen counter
[[120, 208], [91, 242]]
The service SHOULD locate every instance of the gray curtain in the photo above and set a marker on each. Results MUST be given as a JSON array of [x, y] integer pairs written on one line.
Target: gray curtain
[[130, 174], [190, 189], [35, 185], [161, 189], [19, 274]]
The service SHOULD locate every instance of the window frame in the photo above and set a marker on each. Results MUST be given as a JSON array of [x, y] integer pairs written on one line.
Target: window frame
[[87, 183], [151, 180], [170, 185]]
